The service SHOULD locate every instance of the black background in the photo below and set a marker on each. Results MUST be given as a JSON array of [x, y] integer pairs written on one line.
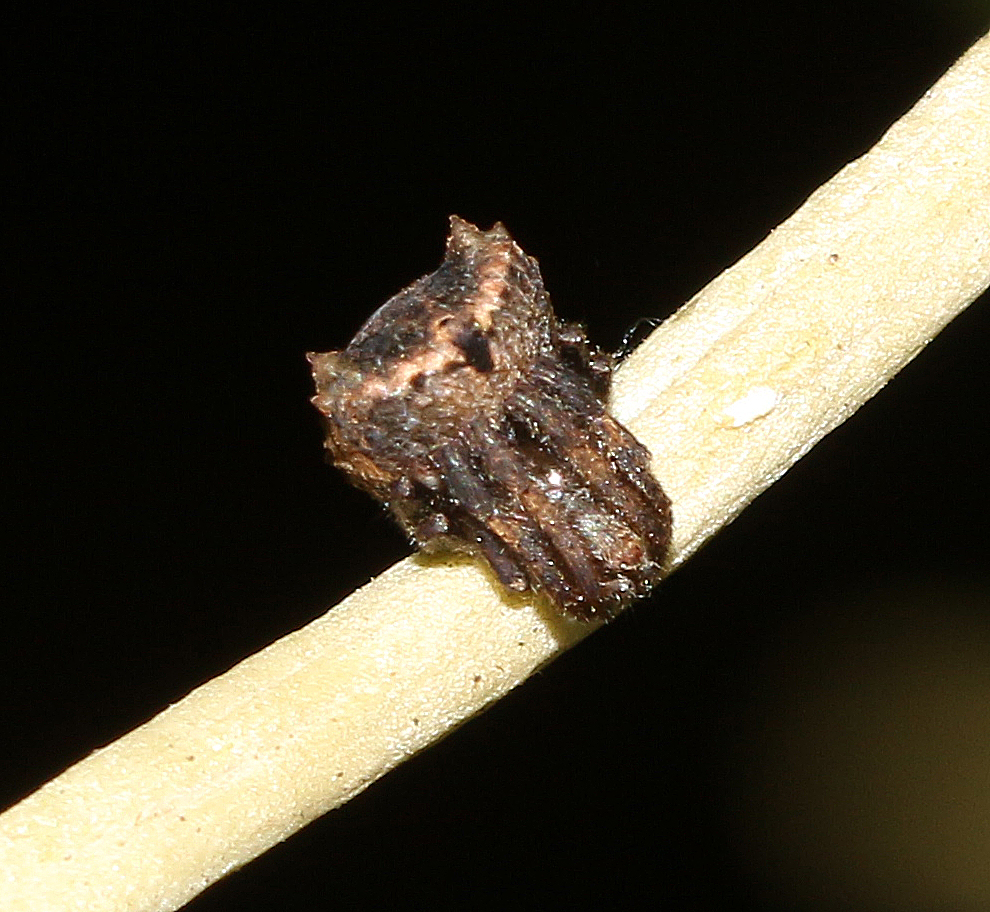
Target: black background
[[225, 195]]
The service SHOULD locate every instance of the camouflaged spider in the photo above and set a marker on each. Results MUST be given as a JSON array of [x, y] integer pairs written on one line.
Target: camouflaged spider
[[479, 420]]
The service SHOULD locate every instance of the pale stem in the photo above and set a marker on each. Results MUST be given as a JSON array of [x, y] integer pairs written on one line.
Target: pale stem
[[728, 394]]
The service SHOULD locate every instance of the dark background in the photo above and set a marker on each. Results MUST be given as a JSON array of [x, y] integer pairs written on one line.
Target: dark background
[[225, 195]]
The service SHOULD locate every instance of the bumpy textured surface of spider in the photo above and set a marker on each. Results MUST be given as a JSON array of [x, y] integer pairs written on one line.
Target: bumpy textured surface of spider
[[479, 420]]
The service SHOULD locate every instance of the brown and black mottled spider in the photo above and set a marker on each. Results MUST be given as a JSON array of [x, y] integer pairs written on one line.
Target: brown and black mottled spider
[[479, 420]]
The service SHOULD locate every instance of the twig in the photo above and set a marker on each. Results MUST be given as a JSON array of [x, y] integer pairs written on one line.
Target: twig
[[727, 394]]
